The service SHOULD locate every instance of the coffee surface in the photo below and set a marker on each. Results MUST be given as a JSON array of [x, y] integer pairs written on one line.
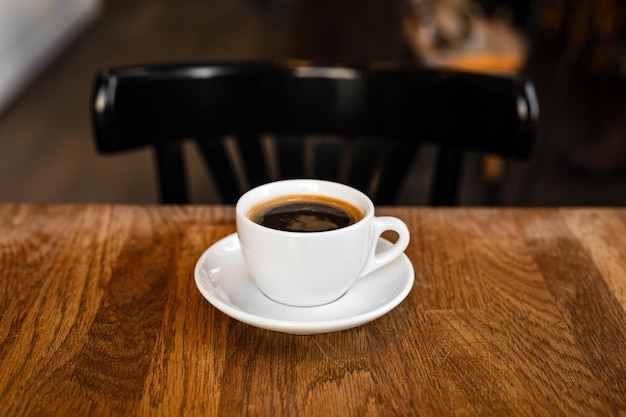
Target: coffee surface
[[305, 214]]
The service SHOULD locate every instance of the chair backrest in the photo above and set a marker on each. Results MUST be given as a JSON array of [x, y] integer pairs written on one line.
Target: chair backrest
[[382, 114]]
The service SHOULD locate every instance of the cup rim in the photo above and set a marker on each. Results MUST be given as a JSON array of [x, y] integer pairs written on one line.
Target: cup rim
[[242, 212]]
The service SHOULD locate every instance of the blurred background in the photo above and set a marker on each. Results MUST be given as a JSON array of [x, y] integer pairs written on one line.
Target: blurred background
[[573, 50]]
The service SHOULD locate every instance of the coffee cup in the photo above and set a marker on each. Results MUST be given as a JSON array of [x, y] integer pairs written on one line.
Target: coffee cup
[[305, 242]]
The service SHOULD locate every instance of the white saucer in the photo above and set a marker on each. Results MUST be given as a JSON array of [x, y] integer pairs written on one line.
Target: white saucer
[[222, 278]]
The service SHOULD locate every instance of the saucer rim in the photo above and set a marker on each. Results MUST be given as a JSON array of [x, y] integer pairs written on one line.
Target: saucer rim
[[300, 327]]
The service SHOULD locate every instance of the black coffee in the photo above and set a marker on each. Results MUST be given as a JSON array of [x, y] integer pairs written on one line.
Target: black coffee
[[304, 213]]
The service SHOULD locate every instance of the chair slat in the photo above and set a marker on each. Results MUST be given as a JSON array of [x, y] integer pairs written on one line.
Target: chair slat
[[290, 156], [365, 158], [217, 159], [172, 176], [397, 163], [253, 158], [446, 179], [327, 156]]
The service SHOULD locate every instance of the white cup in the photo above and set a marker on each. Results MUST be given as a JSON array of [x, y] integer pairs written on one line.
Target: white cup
[[313, 268]]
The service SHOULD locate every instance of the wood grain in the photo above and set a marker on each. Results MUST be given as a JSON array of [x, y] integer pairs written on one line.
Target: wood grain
[[513, 312]]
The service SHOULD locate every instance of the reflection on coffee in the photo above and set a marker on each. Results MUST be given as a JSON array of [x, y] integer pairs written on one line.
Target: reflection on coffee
[[305, 213]]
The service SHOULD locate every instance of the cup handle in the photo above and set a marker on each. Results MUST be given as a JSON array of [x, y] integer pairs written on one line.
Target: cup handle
[[380, 225]]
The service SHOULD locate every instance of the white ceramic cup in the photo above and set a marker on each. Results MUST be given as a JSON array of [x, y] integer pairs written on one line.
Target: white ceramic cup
[[313, 268]]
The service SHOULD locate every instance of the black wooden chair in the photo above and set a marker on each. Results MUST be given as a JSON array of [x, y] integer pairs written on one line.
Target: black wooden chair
[[382, 115]]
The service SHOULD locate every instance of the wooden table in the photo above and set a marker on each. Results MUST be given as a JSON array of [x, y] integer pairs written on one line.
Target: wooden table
[[513, 312]]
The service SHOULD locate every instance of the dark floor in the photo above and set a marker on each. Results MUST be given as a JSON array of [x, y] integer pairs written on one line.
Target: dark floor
[[47, 153]]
